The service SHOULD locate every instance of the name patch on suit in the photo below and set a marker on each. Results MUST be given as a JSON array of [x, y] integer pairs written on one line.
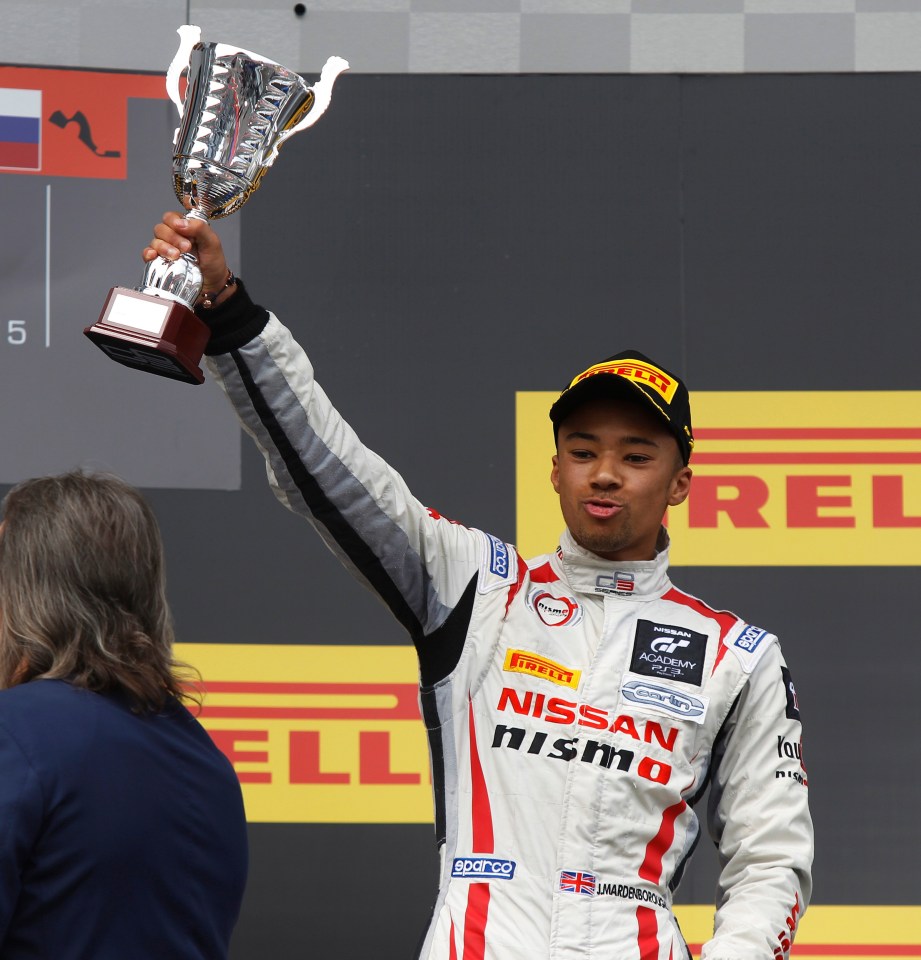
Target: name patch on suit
[[668, 652]]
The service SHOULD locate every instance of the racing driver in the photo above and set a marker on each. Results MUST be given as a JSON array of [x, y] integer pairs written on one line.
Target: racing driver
[[578, 704]]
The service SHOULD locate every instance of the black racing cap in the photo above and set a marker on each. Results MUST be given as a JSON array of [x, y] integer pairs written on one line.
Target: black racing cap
[[632, 371]]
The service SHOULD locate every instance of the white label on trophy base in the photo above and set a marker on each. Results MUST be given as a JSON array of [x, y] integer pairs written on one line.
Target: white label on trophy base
[[138, 314]]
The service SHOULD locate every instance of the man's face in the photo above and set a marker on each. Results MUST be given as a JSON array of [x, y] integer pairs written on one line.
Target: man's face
[[616, 470]]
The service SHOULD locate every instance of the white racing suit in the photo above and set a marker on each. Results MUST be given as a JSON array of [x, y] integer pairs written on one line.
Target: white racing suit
[[576, 708]]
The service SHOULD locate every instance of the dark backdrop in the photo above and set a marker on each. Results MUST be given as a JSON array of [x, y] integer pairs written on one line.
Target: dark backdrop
[[439, 242]]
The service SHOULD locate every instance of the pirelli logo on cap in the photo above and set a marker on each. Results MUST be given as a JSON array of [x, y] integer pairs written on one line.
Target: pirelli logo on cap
[[321, 734], [521, 661], [781, 478], [647, 374]]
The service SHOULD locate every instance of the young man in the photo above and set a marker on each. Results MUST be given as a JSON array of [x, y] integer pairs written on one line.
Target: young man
[[577, 705]]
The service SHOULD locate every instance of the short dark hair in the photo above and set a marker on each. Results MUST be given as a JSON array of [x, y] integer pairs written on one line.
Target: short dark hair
[[83, 590]]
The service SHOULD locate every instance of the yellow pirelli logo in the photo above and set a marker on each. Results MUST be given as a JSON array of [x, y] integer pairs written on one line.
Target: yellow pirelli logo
[[521, 661], [319, 734], [644, 373], [780, 479], [829, 932]]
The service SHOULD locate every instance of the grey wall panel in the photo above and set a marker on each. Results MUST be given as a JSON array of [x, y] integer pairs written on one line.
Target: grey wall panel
[[485, 36], [344, 891], [450, 248], [801, 208]]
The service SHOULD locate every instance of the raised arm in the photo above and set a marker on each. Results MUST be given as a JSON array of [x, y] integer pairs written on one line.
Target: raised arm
[[417, 563]]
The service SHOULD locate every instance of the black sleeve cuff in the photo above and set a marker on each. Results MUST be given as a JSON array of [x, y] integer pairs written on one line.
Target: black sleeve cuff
[[234, 322]]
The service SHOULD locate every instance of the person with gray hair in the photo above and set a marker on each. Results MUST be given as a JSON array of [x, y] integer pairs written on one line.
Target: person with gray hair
[[122, 828]]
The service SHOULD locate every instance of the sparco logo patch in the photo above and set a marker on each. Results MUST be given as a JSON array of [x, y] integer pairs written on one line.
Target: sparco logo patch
[[657, 696], [521, 661], [554, 611], [668, 652], [483, 868], [498, 557], [750, 638]]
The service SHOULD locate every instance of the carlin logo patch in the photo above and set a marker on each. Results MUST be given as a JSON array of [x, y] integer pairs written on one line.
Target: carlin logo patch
[[554, 611], [657, 696], [668, 652]]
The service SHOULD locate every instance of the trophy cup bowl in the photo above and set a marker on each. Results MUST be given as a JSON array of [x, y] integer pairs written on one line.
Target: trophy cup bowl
[[237, 110]]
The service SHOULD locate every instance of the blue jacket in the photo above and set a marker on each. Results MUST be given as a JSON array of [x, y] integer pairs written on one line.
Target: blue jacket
[[122, 837]]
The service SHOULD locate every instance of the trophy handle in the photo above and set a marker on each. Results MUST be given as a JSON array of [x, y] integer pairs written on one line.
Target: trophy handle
[[189, 35], [322, 94]]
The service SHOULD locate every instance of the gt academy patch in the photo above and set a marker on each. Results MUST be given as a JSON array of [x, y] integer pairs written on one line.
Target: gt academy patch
[[664, 698], [668, 652], [554, 611]]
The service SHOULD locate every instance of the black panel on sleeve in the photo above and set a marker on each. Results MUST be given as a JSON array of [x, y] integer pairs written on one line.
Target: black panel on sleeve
[[325, 512], [440, 651], [233, 322]]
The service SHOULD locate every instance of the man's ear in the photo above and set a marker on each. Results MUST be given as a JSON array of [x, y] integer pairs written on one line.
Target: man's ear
[[555, 473], [680, 486]]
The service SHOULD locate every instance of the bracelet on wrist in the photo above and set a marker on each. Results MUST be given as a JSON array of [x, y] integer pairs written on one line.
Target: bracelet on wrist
[[209, 299]]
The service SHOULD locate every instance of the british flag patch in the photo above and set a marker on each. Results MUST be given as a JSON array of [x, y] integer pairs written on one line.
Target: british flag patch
[[578, 882]]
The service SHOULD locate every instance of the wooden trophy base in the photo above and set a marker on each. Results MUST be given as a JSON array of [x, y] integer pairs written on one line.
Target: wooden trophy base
[[151, 333]]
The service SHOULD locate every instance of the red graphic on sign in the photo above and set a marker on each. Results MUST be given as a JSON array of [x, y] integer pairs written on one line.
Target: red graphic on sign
[[359, 701], [84, 118]]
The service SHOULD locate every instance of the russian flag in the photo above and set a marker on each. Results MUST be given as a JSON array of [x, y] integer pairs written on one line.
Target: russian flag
[[20, 128]]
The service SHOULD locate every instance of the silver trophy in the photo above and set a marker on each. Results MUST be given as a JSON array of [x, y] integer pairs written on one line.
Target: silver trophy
[[237, 111]]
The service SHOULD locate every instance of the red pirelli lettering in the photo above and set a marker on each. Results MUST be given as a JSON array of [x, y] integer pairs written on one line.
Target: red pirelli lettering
[[399, 701], [374, 760], [227, 740], [889, 503], [812, 502], [855, 457], [805, 502], [808, 433], [740, 498], [304, 760]]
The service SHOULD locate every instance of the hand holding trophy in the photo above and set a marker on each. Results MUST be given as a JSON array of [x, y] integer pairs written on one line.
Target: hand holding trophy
[[237, 111]]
